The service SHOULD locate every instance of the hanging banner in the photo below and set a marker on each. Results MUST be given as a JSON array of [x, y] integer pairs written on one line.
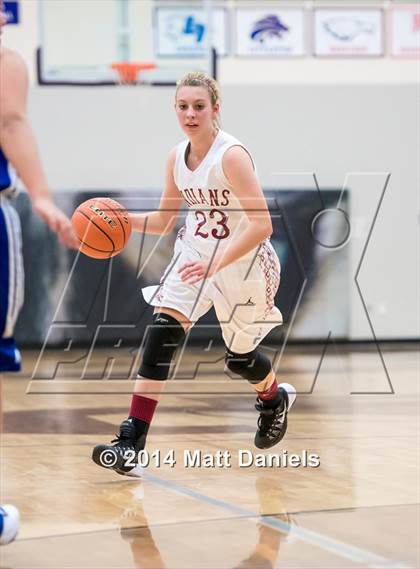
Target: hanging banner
[[348, 32], [265, 32], [184, 31], [404, 28], [11, 10]]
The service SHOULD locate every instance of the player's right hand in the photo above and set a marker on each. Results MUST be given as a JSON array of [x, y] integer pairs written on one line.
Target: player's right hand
[[57, 221]]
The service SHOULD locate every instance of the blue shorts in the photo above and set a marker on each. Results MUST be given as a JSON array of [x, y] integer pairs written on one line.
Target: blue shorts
[[11, 284]]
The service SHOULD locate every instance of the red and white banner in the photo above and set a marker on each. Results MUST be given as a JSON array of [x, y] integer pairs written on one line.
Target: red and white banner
[[354, 32], [404, 30]]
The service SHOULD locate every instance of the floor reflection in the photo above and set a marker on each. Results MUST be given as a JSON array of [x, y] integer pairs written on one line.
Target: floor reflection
[[263, 554], [267, 549]]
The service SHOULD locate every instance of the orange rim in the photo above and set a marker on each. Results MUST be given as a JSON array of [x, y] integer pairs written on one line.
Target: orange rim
[[129, 72]]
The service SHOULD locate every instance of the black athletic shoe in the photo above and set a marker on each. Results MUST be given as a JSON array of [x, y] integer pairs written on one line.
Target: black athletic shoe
[[122, 455], [272, 422]]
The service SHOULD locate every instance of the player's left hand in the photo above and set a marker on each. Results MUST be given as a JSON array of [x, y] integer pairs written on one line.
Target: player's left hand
[[195, 271], [57, 221]]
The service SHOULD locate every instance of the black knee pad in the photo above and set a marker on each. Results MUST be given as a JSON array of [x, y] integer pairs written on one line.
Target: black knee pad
[[163, 338], [253, 366]]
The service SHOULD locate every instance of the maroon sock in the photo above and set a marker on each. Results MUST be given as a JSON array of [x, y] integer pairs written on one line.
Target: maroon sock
[[143, 408], [269, 393]]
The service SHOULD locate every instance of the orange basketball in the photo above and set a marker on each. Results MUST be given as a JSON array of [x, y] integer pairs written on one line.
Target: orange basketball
[[103, 227]]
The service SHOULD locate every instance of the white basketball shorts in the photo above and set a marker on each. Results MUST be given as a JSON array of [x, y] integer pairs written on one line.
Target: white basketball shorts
[[242, 294]]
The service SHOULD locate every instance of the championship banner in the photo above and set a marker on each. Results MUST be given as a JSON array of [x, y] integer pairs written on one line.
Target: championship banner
[[348, 32], [265, 32], [183, 32], [404, 28]]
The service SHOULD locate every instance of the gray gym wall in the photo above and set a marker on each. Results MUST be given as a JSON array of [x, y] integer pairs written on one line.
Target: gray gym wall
[[119, 138]]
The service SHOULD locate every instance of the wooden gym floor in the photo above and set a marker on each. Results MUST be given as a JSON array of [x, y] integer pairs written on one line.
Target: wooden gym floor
[[359, 508]]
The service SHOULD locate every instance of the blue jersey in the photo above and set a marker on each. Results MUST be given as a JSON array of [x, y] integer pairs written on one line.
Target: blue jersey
[[6, 175]]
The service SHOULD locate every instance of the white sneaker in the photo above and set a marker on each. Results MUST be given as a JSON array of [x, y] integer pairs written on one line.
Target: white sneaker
[[9, 523]]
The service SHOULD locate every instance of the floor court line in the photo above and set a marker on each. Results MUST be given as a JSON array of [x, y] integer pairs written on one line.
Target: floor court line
[[339, 548], [245, 515]]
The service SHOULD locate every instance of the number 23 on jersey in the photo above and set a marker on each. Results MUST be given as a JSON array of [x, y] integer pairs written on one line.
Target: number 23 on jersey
[[220, 232]]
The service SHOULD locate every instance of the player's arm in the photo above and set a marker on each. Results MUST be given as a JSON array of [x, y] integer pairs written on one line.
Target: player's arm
[[18, 143], [239, 170], [161, 221]]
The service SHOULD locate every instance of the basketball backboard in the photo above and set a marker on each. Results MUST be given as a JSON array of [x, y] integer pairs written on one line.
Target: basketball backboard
[[82, 39]]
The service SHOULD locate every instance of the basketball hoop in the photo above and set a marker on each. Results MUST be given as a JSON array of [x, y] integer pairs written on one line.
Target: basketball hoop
[[128, 73]]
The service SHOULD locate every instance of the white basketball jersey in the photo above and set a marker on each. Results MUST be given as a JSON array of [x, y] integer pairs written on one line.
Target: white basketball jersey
[[215, 214]]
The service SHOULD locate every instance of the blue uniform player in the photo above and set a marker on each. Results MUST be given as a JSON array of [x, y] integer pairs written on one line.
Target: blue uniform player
[[18, 153], [11, 269]]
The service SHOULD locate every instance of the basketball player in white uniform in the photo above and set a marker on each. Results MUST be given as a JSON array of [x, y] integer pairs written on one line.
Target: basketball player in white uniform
[[18, 148], [222, 258]]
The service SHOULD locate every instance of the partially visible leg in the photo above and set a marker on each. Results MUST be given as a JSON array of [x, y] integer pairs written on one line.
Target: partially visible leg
[[164, 337], [255, 367], [1, 406], [267, 388], [9, 515], [274, 400], [154, 370], [153, 388], [11, 287]]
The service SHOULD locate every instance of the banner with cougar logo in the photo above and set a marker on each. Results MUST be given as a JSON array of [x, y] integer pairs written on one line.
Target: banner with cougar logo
[[265, 32]]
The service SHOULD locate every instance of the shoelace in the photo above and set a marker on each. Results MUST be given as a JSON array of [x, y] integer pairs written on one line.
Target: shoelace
[[265, 421], [125, 435]]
